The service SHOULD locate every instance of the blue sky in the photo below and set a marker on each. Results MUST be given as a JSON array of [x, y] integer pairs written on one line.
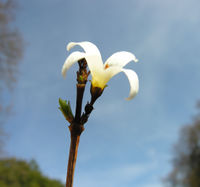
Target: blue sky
[[124, 142]]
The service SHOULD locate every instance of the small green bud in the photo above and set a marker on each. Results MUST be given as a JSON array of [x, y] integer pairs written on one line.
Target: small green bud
[[65, 108], [81, 78]]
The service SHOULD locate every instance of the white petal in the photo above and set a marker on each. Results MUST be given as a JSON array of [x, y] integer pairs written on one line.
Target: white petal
[[71, 59], [88, 47], [95, 64], [101, 78], [131, 75], [120, 59], [134, 82], [93, 56], [112, 71]]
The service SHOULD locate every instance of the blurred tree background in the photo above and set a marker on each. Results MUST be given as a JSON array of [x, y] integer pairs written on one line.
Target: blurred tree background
[[11, 52], [19, 173], [186, 161], [14, 172]]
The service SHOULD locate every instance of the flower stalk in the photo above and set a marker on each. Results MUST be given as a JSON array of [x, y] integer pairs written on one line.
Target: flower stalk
[[76, 123], [75, 131]]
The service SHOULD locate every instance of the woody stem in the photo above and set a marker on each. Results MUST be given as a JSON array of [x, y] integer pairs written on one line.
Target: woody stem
[[76, 127], [75, 131]]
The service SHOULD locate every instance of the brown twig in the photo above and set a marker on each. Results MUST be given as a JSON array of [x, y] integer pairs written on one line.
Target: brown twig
[[77, 124], [79, 98], [76, 127], [75, 130]]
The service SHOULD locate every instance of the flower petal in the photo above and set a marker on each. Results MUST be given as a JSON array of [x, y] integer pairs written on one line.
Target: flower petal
[[92, 56], [88, 47], [112, 71], [71, 59], [120, 59], [95, 64], [101, 78], [133, 81], [131, 75]]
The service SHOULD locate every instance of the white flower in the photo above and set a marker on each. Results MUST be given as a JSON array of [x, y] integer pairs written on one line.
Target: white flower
[[102, 73]]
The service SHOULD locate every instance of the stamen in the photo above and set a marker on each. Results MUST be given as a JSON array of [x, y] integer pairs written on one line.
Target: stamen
[[106, 66]]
